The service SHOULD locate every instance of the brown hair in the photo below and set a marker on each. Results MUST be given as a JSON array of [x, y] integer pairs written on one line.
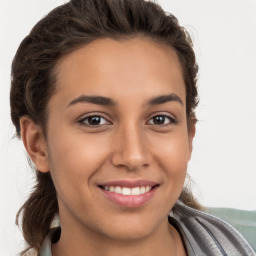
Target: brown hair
[[63, 30]]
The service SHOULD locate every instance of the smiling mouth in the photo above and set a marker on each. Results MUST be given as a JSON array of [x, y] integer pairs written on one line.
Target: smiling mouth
[[128, 191]]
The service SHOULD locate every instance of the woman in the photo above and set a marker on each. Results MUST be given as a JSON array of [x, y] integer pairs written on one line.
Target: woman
[[103, 96]]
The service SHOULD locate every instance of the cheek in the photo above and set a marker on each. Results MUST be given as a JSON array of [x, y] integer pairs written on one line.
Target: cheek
[[174, 151], [173, 157], [73, 161], [177, 158]]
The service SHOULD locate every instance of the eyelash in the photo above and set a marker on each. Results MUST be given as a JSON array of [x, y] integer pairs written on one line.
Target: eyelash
[[84, 121], [171, 120]]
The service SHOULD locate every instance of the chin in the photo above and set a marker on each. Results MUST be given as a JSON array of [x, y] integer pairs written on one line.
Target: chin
[[133, 230], [129, 235]]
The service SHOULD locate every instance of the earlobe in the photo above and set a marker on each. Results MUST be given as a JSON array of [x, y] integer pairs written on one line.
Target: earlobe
[[34, 141]]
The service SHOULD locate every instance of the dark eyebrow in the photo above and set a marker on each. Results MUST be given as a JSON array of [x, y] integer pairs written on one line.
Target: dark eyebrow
[[99, 100], [165, 98]]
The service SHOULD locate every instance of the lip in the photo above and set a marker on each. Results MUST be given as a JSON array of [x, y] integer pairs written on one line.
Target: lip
[[129, 201]]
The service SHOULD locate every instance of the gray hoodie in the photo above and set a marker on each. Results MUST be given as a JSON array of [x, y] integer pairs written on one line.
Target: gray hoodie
[[202, 234]]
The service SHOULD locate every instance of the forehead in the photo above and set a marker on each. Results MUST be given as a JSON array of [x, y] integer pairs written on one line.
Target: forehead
[[128, 66]]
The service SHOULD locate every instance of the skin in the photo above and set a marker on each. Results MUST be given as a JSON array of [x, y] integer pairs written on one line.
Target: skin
[[127, 144]]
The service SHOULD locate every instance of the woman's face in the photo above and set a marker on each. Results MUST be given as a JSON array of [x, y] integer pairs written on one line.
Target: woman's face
[[117, 138]]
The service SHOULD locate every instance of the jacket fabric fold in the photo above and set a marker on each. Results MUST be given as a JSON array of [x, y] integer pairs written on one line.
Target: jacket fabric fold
[[202, 234]]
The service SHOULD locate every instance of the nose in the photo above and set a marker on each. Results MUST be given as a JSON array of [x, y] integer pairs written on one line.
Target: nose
[[131, 149]]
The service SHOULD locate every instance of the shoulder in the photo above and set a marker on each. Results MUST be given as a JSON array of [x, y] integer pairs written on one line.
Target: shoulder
[[204, 234]]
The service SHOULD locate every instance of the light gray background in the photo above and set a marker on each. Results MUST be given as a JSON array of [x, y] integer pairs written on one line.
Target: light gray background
[[223, 163]]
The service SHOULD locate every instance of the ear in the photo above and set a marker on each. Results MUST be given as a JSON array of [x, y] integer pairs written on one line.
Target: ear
[[191, 135], [34, 141]]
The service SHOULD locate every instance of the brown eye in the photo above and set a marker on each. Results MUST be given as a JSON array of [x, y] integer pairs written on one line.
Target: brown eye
[[161, 120], [94, 120]]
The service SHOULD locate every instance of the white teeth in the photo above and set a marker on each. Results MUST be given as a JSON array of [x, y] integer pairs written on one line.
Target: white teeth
[[128, 191], [125, 191], [136, 191], [118, 190]]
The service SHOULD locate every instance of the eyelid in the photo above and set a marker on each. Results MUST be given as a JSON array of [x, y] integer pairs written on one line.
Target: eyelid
[[172, 118], [96, 125], [92, 114]]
